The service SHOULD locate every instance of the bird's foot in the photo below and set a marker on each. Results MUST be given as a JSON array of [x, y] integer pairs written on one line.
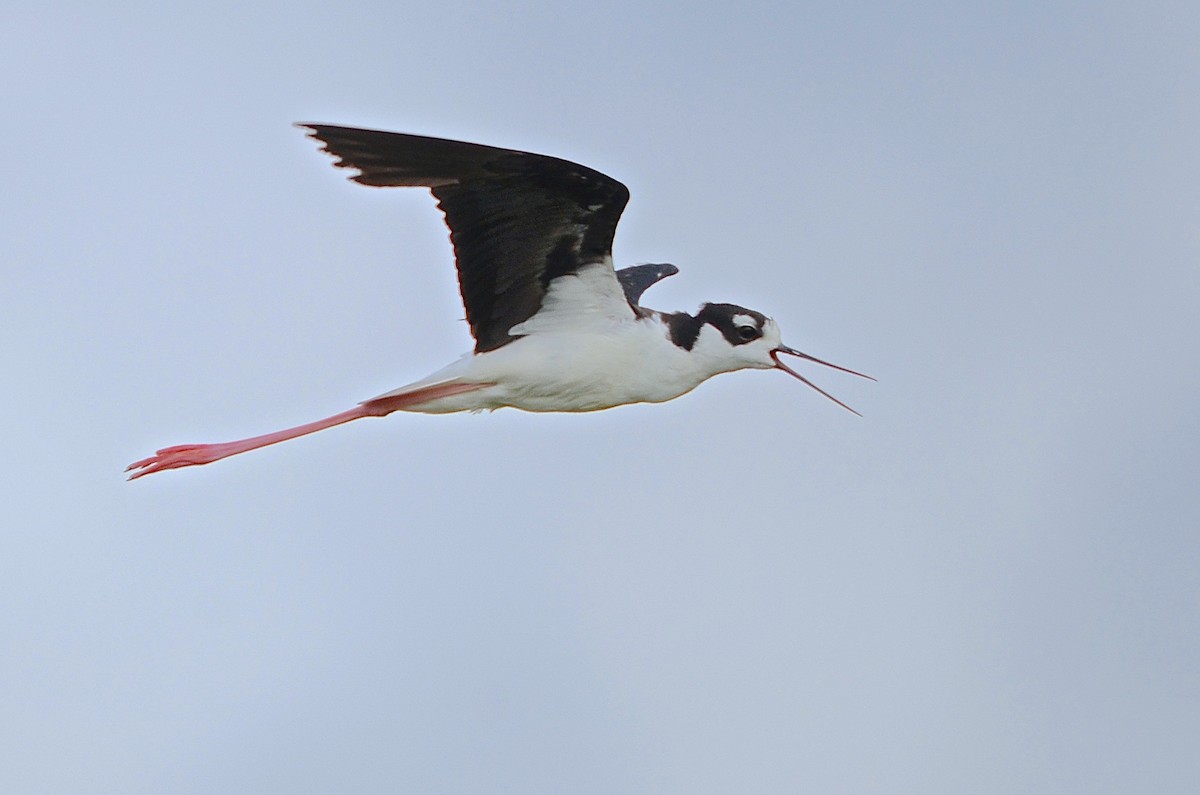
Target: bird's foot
[[183, 455]]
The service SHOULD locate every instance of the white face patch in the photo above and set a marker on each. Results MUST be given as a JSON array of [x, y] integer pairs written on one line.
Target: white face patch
[[744, 320]]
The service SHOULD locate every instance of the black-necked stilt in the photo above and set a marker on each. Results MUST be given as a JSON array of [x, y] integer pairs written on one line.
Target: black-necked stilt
[[555, 327]]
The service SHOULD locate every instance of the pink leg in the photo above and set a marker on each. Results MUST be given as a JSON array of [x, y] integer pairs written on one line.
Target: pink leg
[[186, 455]]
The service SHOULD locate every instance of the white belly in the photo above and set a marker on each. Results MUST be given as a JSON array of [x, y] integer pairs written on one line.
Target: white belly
[[564, 371]]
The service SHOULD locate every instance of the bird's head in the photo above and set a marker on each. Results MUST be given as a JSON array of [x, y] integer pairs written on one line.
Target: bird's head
[[742, 338]]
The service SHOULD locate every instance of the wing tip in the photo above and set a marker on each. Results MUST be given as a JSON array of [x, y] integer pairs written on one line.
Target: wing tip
[[317, 132], [636, 279], [312, 129]]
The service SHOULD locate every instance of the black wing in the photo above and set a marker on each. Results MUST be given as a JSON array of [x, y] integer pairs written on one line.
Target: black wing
[[636, 279], [517, 220]]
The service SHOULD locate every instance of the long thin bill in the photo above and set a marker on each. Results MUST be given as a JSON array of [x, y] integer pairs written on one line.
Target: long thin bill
[[794, 352], [779, 364]]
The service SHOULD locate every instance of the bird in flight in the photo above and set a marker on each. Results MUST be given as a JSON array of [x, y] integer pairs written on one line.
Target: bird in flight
[[556, 328]]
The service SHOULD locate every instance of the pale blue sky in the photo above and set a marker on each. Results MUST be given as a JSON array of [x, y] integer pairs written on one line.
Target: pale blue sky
[[990, 583]]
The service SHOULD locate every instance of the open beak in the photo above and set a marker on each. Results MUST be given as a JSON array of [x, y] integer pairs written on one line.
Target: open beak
[[793, 352]]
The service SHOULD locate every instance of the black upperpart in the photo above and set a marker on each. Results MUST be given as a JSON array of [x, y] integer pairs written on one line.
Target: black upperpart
[[685, 329], [517, 220]]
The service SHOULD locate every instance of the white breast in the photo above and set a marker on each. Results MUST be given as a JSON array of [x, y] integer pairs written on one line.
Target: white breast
[[629, 362]]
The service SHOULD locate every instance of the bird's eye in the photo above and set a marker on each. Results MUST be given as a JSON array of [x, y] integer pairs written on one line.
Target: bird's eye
[[747, 332]]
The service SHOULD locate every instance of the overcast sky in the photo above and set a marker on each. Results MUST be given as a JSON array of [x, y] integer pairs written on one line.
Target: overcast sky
[[989, 583]]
